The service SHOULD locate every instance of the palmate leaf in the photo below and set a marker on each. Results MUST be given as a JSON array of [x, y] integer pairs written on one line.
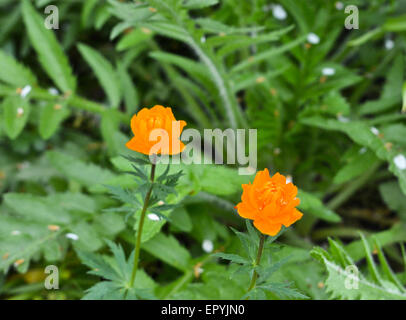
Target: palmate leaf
[[123, 195], [341, 280], [282, 290], [117, 269]]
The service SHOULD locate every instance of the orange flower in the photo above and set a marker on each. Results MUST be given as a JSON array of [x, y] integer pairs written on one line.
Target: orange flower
[[270, 202], [156, 127]]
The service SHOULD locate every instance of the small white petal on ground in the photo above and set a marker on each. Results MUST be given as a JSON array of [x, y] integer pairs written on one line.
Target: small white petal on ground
[[25, 91], [400, 161], [153, 217], [278, 12], [72, 236], [207, 245], [313, 38], [389, 44], [328, 71], [375, 131]]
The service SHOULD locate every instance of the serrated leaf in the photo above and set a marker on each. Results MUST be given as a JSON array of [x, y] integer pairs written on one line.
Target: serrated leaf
[[231, 257], [21, 75], [86, 174], [16, 112], [50, 54], [51, 117], [104, 72]]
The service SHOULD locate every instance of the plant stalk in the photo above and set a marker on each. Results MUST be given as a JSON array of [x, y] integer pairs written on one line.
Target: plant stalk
[[141, 225], [258, 260]]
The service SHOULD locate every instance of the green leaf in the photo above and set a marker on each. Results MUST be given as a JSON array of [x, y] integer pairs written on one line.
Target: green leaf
[[110, 130], [87, 174], [50, 54], [104, 72], [314, 206], [216, 26], [199, 4], [231, 257], [51, 117], [395, 24], [180, 219], [16, 112], [14, 73], [34, 208], [362, 134], [131, 98], [345, 280], [267, 54], [359, 164], [394, 198], [169, 250]]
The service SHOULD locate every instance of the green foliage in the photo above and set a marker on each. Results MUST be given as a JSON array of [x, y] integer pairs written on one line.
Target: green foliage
[[327, 113], [343, 282], [117, 274], [50, 53]]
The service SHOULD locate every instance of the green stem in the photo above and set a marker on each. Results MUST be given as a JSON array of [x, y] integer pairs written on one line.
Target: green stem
[[141, 225], [259, 255]]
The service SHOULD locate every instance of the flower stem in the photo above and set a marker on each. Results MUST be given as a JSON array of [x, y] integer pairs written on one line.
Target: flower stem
[[140, 226], [259, 255]]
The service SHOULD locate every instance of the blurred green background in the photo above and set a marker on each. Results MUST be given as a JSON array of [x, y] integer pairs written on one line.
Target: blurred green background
[[326, 102]]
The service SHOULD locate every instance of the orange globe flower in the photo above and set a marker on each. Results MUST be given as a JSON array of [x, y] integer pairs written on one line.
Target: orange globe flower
[[270, 202], [156, 131]]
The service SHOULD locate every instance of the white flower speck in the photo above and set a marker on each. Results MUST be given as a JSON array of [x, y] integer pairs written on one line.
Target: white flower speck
[[53, 91], [375, 131], [389, 44], [25, 91], [328, 71], [207, 246], [400, 161], [289, 179], [362, 150], [15, 233], [278, 12], [313, 38], [20, 112], [339, 5], [203, 39], [153, 217], [72, 236]]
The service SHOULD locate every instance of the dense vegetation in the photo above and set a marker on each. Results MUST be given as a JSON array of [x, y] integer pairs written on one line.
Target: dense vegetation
[[327, 104]]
